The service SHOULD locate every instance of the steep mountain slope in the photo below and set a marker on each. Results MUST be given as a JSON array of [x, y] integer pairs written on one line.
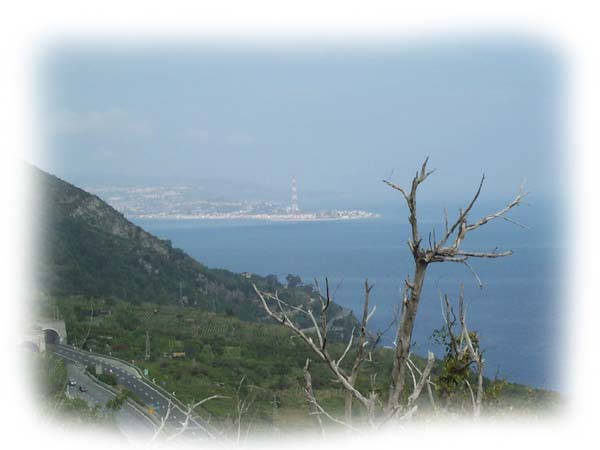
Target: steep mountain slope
[[90, 249]]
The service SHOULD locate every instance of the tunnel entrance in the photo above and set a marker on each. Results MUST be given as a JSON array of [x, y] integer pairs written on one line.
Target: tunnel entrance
[[51, 337]]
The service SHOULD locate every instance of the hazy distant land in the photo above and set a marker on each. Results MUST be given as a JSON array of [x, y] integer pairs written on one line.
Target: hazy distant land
[[189, 203]]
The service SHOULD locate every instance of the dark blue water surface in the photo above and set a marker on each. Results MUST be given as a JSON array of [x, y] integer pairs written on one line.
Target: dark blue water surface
[[516, 312]]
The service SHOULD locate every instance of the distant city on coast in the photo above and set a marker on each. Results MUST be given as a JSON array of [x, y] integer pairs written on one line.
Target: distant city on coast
[[184, 202]]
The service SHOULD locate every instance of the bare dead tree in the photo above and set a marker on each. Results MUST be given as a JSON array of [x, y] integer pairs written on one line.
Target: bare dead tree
[[365, 345], [447, 249], [360, 351], [243, 403], [475, 355], [400, 403], [320, 347], [463, 349]]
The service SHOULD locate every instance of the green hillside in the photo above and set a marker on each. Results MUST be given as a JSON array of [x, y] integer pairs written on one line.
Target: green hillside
[[201, 331], [215, 352], [90, 249]]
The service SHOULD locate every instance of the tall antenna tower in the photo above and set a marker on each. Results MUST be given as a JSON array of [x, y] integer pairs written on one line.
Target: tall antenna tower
[[294, 204]]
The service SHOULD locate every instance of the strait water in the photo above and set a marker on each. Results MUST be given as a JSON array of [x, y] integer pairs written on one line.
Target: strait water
[[517, 312]]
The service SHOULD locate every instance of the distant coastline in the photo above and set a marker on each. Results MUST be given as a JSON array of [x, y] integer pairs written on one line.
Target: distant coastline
[[190, 203], [298, 217]]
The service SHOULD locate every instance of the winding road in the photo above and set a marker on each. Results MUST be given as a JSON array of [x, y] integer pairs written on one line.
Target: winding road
[[130, 419]]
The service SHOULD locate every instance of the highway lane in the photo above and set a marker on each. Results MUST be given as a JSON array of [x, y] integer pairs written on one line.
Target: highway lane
[[132, 381], [131, 422]]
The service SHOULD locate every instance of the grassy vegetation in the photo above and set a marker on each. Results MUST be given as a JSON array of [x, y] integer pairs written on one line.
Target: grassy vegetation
[[221, 350]]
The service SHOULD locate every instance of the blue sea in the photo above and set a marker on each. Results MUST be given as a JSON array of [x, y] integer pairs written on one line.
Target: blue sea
[[516, 312]]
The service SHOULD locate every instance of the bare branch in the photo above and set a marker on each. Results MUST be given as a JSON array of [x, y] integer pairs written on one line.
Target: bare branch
[[417, 391], [472, 394], [310, 396], [466, 349], [371, 314], [430, 395], [359, 358], [446, 220], [163, 421], [409, 413], [515, 202], [319, 350], [463, 214], [242, 407], [339, 361], [398, 188], [484, 254], [328, 296], [287, 305], [322, 342], [412, 373], [519, 224], [474, 273], [336, 289], [212, 397], [322, 411]]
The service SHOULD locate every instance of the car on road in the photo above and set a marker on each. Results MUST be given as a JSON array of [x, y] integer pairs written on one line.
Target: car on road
[[72, 382], [82, 389]]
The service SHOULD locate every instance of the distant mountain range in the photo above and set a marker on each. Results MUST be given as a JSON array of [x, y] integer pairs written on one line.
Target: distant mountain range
[[90, 249]]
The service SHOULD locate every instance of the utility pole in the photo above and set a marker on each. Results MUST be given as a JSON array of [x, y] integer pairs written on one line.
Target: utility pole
[[147, 356]]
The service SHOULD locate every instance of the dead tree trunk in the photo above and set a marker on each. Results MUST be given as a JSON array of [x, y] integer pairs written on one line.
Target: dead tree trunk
[[404, 336], [320, 347], [447, 249], [360, 347]]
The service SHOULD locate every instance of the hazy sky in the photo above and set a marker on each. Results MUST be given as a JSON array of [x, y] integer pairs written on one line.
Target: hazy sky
[[338, 118]]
